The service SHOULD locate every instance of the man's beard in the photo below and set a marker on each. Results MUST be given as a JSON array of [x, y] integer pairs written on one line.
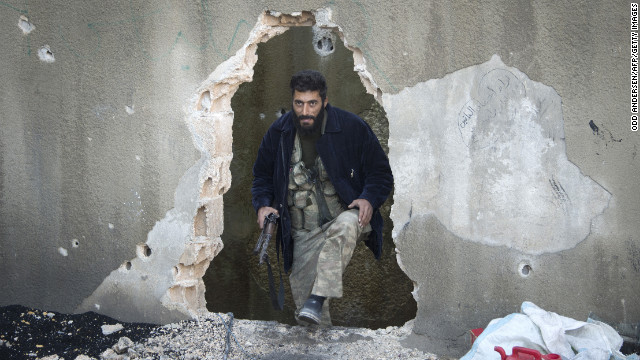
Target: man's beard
[[306, 131]]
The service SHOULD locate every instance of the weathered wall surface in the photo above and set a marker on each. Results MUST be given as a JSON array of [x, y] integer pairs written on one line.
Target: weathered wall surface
[[499, 202], [116, 142]]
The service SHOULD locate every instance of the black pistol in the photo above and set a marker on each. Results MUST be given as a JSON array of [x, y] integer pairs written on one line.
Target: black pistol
[[268, 230]]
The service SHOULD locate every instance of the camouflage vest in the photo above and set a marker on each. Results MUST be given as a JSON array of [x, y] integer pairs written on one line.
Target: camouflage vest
[[311, 198]]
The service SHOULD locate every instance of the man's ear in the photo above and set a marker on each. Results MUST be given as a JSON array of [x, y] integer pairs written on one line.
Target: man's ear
[[326, 101]]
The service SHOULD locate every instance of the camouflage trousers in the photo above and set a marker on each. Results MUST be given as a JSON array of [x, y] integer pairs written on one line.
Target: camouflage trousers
[[320, 257]]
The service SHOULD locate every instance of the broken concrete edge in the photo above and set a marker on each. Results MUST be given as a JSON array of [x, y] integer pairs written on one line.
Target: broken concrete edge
[[404, 205], [405, 209], [211, 115], [164, 283]]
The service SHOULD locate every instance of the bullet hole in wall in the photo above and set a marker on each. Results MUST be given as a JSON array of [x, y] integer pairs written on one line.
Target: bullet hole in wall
[[25, 25], [323, 40], [525, 269], [325, 43], [143, 251], [45, 54]]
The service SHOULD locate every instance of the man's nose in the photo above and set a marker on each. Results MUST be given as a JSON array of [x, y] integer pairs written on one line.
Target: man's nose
[[306, 109]]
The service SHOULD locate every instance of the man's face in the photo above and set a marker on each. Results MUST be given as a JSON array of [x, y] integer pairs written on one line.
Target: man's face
[[307, 107]]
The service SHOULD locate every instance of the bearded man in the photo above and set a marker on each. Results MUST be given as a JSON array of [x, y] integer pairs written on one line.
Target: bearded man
[[323, 172]]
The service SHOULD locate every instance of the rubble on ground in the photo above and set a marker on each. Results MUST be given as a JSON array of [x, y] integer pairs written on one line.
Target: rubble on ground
[[29, 333]]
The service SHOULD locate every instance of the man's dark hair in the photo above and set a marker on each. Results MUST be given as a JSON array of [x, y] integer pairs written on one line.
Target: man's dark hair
[[309, 80]]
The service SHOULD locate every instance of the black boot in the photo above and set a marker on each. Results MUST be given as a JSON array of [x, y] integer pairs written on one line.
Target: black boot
[[312, 309]]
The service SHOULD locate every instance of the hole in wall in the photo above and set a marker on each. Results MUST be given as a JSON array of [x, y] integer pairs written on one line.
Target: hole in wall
[[525, 269], [45, 54], [324, 40], [143, 251], [25, 25], [234, 273]]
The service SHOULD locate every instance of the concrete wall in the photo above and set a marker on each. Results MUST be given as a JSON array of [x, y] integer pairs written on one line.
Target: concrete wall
[[116, 143]]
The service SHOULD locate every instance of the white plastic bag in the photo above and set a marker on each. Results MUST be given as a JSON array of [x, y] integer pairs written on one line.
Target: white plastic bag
[[566, 337], [512, 330], [548, 332]]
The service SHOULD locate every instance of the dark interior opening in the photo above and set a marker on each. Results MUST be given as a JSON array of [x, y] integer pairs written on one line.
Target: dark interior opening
[[377, 293]]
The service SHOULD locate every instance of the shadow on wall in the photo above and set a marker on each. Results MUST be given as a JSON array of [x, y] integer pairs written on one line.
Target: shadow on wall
[[378, 293]]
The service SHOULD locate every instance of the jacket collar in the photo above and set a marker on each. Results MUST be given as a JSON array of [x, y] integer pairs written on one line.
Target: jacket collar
[[332, 125]]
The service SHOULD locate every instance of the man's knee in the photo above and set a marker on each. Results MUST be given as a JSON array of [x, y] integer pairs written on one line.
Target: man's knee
[[346, 224], [348, 216]]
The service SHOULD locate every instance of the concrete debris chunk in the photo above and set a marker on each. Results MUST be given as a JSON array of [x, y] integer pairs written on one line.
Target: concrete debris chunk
[[51, 357], [84, 357], [123, 345], [109, 354], [110, 329]]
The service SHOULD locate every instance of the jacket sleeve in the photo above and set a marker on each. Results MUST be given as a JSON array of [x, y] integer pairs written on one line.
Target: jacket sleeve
[[378, 178], [262, 192]]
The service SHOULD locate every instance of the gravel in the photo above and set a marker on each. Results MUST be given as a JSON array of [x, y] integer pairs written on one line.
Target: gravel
[[34, 334]]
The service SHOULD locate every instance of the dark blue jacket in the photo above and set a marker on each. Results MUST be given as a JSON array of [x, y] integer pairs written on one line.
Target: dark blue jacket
[[357, 166]]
